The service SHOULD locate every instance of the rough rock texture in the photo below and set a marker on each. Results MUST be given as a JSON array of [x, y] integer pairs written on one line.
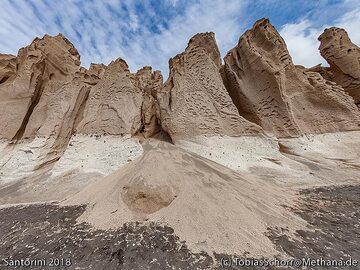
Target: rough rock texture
[[286, 100], [343, 57], [150, 83], [7, 67], [122, 102], [41, 69], [194, 100], [62, 110]]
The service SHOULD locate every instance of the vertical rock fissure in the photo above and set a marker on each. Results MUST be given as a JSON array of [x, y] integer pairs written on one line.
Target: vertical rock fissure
[[39, 87]]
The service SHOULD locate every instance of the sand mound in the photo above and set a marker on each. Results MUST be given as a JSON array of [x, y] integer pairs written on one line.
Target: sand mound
[[211, 207]]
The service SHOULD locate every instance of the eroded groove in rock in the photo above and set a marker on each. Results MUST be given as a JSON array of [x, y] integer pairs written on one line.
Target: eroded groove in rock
[[150, 84], [343, 57], [286, 100], [40, 70], [38, 90]]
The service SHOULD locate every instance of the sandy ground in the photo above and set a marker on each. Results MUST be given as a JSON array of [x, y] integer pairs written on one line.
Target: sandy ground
[[86, 160], [101, 154], [308, 161], [19, 160], [219, 194], [49, 231], [210, 206]]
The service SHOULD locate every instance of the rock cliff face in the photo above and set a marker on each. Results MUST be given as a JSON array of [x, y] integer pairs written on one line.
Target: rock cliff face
[[286, 100], [29, 96], [150, 83], [343, 57], [122, 102], [194, 100], [46, 97]]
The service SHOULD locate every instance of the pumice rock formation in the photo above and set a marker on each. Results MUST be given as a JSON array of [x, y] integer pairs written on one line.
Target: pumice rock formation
[[148, 122], [284, 99], [343, 57], [122, 102], [194, 100], [113, 103], [41, 69], [42, 101], [178, 175]]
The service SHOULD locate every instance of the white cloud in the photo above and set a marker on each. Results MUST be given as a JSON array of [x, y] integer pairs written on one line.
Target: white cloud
[[102, 31], [302, 43], [351, 23], [302, 37]]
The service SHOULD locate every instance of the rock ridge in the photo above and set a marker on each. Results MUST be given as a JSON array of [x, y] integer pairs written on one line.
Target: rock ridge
[[44, 92], [343, 56], [194, 100], [284, 99]]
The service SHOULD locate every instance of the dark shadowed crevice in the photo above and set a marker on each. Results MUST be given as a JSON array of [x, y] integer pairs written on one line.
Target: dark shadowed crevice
[[80, 114], [4, 79], [33, 102]]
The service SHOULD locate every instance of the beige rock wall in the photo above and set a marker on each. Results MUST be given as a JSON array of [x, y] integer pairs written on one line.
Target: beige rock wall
[[194, 100], [284, 99], [7, 67], [122, 102], [343, 57], [41, 69]]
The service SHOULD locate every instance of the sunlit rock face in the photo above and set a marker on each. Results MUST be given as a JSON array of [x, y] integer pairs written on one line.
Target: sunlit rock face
[[194, 100], [284, 99], [343, 57]]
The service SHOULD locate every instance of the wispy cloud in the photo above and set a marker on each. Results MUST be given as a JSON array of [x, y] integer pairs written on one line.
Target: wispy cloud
[[150, 32], [141, 32], [301, 37]]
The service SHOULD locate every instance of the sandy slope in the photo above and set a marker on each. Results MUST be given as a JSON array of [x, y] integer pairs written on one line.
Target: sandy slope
[[219, 193], [86, 159], [302, 162], [210, 206]]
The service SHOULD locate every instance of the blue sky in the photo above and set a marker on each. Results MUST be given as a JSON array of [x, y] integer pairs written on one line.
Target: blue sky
[[150, 32]]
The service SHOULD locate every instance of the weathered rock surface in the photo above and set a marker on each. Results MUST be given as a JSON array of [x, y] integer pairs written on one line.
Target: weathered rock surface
[[343, 57], [122, 102], [29, 97], [284, 99], [194, 100], [46, 97], [7, 67], [150, 83]]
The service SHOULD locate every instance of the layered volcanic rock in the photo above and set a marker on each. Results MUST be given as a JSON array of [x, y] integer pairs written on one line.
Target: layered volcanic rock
[[62, 110], [286, 100], [25, 97], [113, 103], [194, 100], [343, 57]]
